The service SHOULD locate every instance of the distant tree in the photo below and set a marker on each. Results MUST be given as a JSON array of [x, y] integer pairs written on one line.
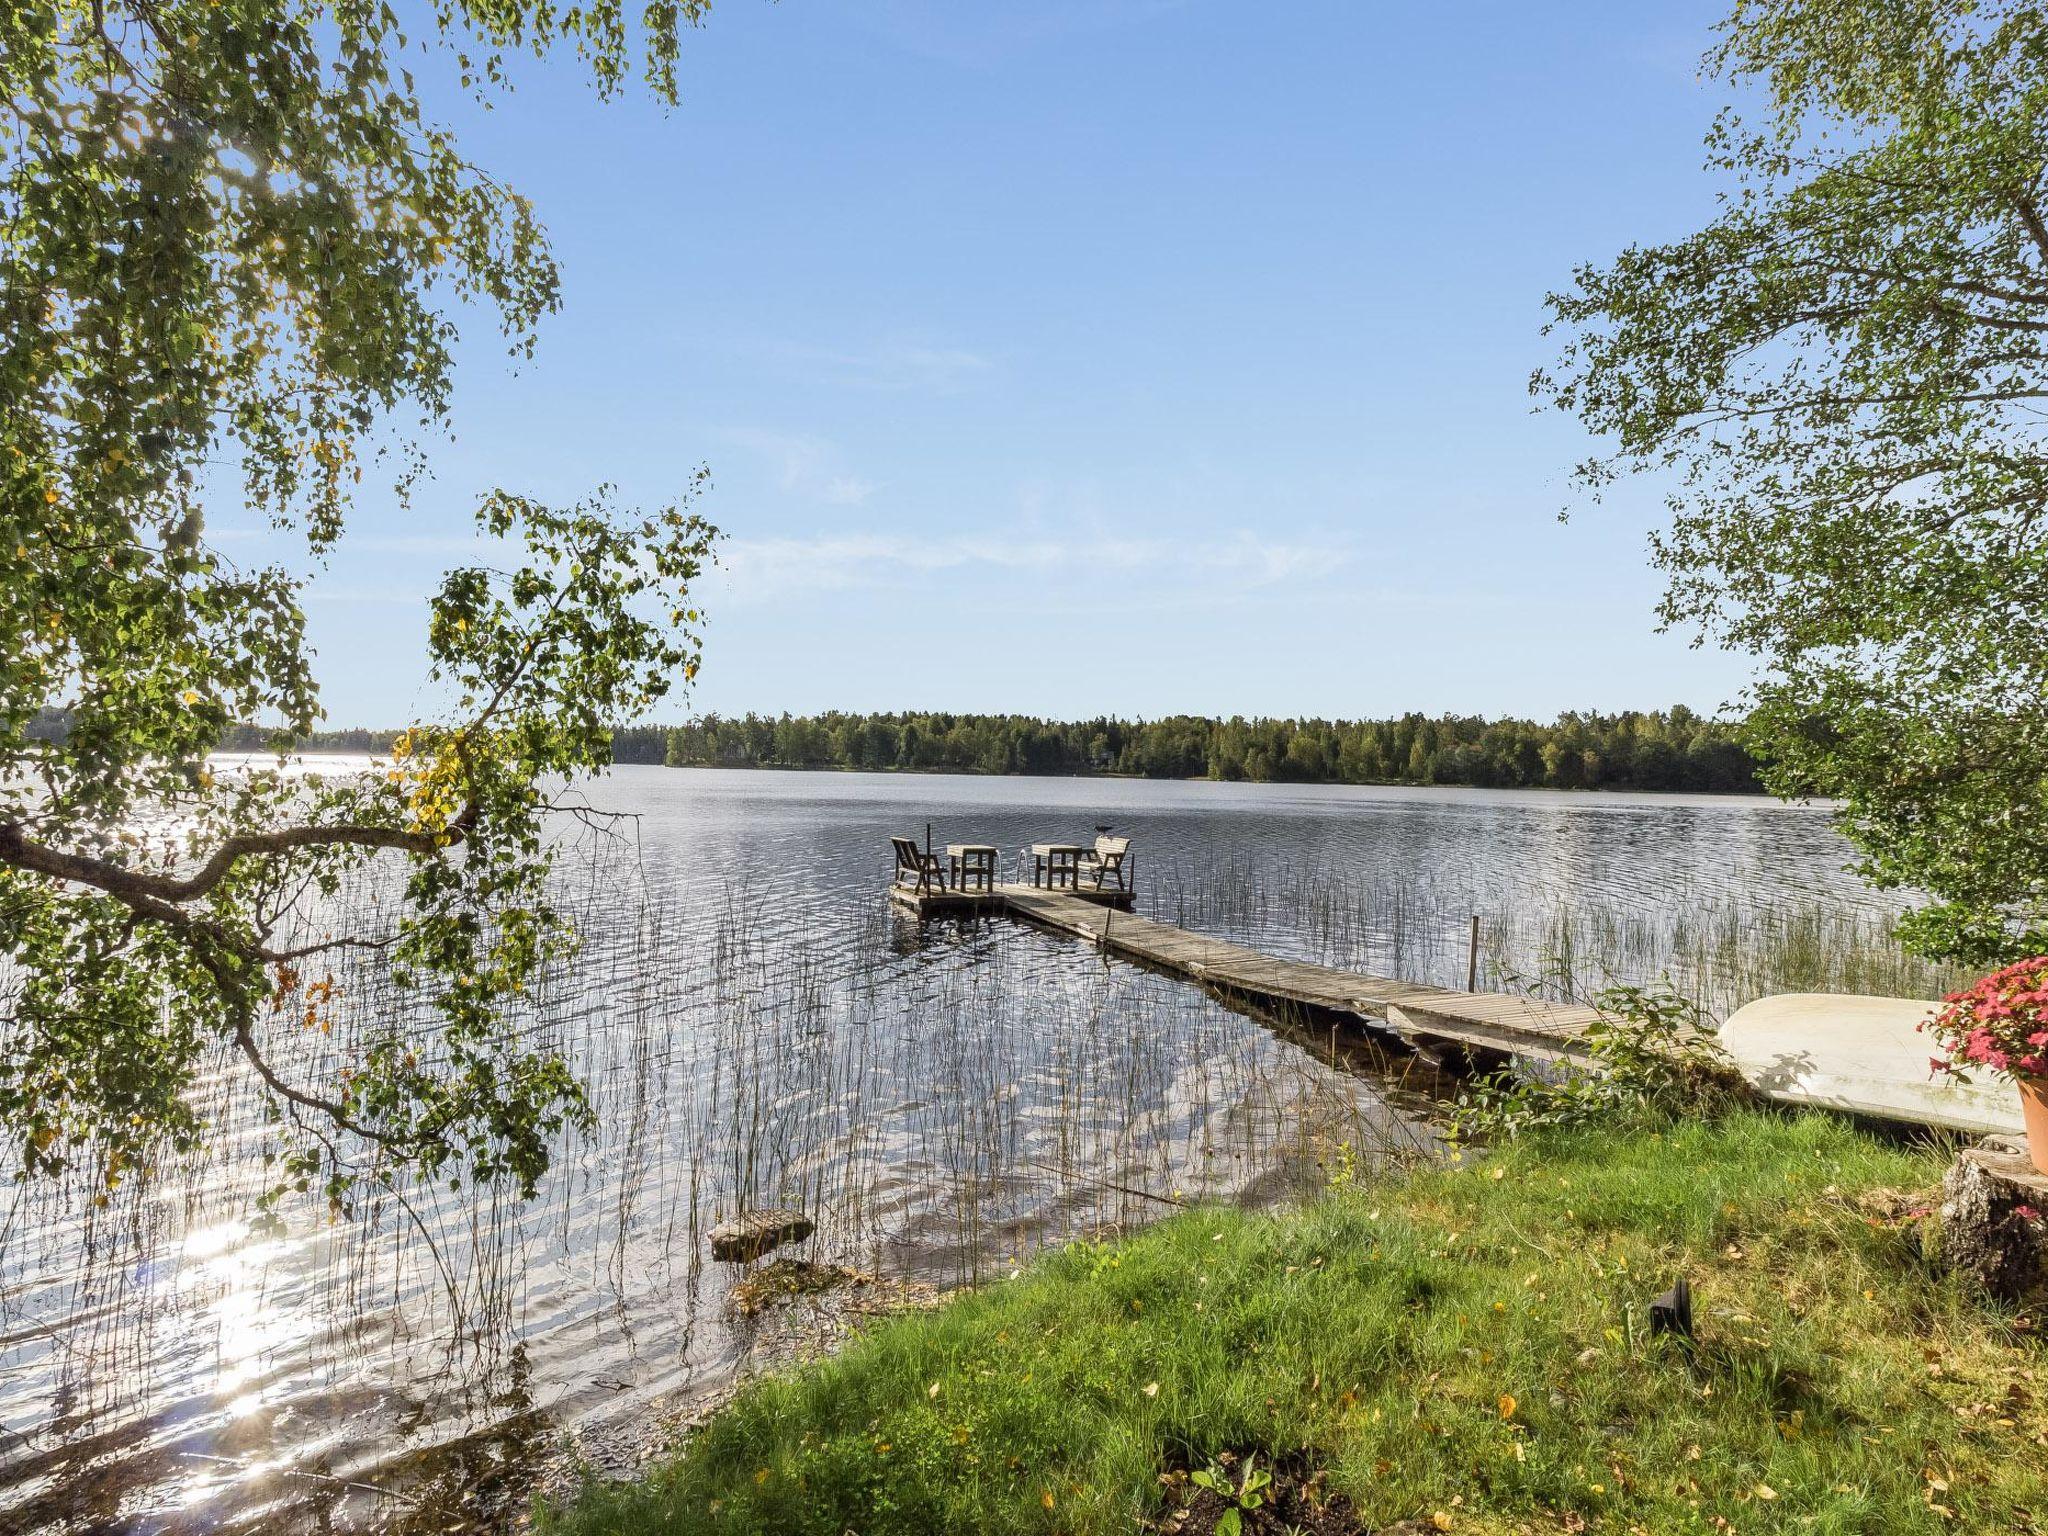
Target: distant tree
[[1633, 751], [233, 241], [1844, 372]]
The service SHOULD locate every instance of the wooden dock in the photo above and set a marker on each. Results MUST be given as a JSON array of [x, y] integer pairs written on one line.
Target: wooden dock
[[1858, 1055], [1481, 1021], [972, 903]]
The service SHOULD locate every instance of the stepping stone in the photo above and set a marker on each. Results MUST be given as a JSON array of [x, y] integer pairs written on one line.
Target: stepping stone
[[1865, 1055], [746, 1238]]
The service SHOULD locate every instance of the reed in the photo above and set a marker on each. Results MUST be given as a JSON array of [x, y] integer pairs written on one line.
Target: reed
[[946, 1101], [1720, 948]]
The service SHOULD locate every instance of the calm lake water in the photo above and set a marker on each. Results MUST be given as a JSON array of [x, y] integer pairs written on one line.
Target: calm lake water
[[757, 1026]]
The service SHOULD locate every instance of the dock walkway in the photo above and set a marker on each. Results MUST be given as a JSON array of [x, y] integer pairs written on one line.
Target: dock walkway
[[1488, 1021], [1860, 1055]]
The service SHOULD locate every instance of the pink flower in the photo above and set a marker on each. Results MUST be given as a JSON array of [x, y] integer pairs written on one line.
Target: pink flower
[[2001, 1022]]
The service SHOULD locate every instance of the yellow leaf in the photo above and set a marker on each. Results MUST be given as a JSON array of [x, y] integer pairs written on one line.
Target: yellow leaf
[[1507, 1405], [1151, 1389], [1046, 1498], [1441, 1520], [1766, 1491]]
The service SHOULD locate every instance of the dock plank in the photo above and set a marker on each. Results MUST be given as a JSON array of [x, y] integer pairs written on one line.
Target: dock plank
[[1490, 1020]]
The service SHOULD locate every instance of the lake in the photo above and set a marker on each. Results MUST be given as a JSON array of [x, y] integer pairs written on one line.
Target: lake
[[756, 1025]]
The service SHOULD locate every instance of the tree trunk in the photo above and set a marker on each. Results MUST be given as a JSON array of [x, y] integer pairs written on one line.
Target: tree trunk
[[1994, 1219]]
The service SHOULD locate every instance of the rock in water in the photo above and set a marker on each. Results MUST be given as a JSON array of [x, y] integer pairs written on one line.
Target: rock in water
[[745, 1238], [1994, 1219]]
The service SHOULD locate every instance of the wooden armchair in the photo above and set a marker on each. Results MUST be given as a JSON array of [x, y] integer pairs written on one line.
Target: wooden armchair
[[1110, 859], [915, 867]]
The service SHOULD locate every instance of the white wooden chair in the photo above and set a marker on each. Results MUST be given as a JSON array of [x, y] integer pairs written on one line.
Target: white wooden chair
[[1110, 858]]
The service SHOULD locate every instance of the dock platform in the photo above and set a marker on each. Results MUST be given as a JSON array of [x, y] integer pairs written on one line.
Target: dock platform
[[968, 903], [1481, 1021]]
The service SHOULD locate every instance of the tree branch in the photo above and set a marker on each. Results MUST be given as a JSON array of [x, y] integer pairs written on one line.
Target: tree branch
[[145, 891], [2030, 216]]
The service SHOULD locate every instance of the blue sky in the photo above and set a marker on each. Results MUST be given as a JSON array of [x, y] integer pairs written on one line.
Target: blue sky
[[1085, 355]]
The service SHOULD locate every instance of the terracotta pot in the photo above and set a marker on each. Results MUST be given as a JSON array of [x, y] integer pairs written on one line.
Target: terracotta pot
[[2034, 1106]]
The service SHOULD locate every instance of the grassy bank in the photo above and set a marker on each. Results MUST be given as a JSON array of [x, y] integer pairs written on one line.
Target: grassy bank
[[1465, 1347]]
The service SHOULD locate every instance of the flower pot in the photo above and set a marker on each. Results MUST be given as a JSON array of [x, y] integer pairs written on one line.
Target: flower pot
[[2034, 1106]]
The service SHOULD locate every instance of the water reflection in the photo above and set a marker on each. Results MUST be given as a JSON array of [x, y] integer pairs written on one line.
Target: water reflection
[[756, 1025]]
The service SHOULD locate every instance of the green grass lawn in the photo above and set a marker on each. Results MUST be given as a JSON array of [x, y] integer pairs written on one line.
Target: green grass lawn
[[1465, 1346]]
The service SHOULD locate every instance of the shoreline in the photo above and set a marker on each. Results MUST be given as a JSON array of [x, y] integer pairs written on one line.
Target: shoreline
[[1460, 1347], [1147, 778]]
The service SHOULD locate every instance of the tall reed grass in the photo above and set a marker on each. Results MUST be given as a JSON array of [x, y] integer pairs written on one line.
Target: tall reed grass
[[944, 1101], [1721, 949]]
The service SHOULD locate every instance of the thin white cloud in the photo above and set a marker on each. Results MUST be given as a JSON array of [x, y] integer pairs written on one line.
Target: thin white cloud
[[426, 544], [899, 363], [976, 37], [906, 365], [847, 490], [761, 568], [374, 597], [803, 466]]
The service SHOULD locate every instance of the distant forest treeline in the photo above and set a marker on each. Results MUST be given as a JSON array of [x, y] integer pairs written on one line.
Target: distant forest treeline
[[636, 744], [1672, 749], [1663, 749]]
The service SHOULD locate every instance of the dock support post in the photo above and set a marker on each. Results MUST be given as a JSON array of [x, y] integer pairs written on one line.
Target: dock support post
[[1472, 958]]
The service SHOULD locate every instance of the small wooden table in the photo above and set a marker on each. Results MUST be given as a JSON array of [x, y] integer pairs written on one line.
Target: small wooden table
[[973, 866], [1054, 865]]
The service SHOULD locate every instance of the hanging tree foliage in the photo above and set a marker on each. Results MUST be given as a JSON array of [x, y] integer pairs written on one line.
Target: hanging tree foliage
[[1844, 372], [232, 239]]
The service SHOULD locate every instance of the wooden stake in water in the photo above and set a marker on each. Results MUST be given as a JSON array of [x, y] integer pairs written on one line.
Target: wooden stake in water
[[1472, 958]]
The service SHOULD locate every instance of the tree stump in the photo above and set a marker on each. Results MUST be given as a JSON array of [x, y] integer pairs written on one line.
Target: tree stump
[[745, 1238], [1994, 1219]]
